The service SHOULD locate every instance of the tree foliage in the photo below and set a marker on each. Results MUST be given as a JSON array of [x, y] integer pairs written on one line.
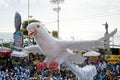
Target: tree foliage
[[102, 51], [25, 32], [55, 34], [24, 25]]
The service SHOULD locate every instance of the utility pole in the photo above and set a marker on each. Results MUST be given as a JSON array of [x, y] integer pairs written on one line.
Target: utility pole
[[28, 9], [57, 9]]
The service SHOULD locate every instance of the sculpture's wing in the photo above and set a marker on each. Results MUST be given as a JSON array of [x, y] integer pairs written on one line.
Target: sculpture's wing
[[74, 58], [68, 55], [34, 49], [85, 45], [77, 59], [81, 45]]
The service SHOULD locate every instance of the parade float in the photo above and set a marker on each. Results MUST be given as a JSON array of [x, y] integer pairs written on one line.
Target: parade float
[[59, 51]]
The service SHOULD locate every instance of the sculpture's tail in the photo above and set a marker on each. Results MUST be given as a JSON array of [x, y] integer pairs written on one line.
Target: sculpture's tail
[[85, 73]]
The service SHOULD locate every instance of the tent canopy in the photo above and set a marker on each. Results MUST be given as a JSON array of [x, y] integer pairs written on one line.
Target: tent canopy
[[91, 53], [19, 53], [5, 48]]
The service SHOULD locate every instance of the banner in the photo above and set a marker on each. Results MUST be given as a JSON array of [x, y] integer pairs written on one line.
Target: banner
[[112, 58], [18, 39]]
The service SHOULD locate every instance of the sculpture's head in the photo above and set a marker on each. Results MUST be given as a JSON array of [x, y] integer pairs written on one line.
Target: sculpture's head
[[38, 31], [34, 28]]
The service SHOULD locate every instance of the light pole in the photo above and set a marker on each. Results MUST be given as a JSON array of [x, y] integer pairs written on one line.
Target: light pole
[[57, 9], [28, 10], [29, 18]]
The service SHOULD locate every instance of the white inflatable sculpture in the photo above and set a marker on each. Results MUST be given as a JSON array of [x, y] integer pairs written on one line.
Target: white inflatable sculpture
[[61, 50]]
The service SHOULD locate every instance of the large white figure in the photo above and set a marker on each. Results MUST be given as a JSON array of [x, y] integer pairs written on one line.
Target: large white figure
[[61, 50]]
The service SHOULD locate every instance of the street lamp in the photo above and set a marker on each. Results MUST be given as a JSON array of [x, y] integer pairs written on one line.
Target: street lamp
[[29, 17], [28, 10], [57, 9]]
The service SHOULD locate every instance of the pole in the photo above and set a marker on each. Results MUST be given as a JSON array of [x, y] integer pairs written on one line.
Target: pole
[[113, 41], [28, 10], [28, 18], [58, 18], [57, 2]]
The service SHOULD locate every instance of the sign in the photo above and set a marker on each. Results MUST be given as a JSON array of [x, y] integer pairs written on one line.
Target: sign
[[112, 58], [18, 39]]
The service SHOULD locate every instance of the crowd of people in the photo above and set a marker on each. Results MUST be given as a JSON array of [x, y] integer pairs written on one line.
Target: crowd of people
[[107, 71], [25, 69]]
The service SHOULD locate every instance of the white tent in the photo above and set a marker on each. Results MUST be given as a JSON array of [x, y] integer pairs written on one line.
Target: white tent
[[19, 53], [4, 48], [91, 53]]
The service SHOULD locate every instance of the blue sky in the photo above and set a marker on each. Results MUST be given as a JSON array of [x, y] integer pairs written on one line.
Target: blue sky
[[81, 19]]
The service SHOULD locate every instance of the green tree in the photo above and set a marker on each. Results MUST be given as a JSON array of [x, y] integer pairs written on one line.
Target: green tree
[[25, 24], [102, 51], [55, 34], [25, 32]]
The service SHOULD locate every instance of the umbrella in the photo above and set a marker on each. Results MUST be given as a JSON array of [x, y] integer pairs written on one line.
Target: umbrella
[[19, 54], [91, 53]]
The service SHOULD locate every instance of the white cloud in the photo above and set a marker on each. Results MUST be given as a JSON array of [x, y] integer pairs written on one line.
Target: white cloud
[[4, 3]]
